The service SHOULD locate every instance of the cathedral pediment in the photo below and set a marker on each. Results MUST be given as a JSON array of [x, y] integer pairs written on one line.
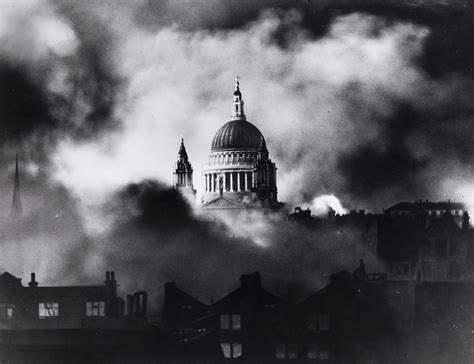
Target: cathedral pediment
[[220, 203]]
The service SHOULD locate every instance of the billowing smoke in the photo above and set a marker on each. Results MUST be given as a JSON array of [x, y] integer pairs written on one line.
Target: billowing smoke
[[370, 103]]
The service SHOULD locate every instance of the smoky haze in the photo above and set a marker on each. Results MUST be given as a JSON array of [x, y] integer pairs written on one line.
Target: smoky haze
[[371, 103]]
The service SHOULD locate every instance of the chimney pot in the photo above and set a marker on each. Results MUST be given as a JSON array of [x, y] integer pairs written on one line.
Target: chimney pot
[[107, 276], [112, 275]]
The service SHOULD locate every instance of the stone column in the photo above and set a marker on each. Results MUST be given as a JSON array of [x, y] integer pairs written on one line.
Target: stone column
[[212, 182], [246, 174], [231, 175], [223, 181], [238, 181]]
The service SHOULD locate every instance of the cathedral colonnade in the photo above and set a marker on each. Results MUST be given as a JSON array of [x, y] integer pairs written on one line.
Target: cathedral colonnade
[[232, 181]]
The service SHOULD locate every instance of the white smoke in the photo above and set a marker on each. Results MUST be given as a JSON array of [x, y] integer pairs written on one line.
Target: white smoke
[[321, 205], [181, 83]]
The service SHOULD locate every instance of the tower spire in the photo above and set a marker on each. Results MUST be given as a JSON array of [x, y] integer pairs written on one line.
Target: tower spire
[[16, 211], [183, 174], [237, 103]]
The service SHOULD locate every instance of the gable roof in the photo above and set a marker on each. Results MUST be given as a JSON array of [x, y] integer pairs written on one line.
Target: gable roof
[[9, 280]]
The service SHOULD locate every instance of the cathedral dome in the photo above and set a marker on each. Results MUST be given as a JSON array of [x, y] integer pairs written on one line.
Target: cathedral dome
[[237, 135]]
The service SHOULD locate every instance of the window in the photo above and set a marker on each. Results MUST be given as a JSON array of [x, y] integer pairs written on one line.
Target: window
[[95, 308], [313, 351], [236, 322], [225, 322], [231, 350], [6, 310], [324, 355], [323, 320], [284, 351], [229, 322], [316, 321], [48, 309], [280, 351], [292, 351]]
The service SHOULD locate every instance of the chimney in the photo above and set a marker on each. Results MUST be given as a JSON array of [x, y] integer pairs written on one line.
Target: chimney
[[107, 277], [33, 282], [112, 277]]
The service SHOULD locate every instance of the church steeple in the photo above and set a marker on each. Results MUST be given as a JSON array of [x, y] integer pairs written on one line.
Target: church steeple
[[16, 211], [237, 103], [183, 174]]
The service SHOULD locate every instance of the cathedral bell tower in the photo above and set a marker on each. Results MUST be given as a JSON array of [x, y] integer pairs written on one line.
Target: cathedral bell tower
[[264, 174], [183, 175]]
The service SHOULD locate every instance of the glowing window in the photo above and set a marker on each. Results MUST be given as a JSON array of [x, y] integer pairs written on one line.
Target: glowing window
[[231, 350], [6, 310], [95, 308], [48, 309], [230, 321]]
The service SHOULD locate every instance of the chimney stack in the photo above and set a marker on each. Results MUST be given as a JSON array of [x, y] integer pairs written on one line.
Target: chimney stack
[[33, 282]]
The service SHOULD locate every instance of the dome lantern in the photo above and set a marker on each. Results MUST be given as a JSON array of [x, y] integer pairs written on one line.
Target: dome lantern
[[237, 103]]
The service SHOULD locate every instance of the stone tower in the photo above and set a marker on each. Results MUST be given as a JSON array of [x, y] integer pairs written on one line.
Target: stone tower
[[183, 175]]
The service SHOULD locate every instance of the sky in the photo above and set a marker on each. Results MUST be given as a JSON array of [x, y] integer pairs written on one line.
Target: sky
[[362, 105]]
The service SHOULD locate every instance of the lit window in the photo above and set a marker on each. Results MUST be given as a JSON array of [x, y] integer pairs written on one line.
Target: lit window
[[280, 351], [231, 350], [225, 322], [324, 355], [292, 351], [236, 322], [95, 308], [226, 350], [230, 322], [236, 350], [317, 321], [313, 351], [48, 309], [6, 310]]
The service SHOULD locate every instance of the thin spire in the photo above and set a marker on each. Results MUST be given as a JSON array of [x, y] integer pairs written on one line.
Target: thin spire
[[182, 154], [16, 211]]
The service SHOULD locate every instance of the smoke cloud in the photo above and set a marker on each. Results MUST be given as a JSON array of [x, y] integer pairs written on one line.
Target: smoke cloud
[[369, 102]]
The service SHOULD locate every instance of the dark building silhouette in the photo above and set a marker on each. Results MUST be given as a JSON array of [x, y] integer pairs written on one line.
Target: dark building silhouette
[[427, 241], [356, 318], [59, 307]]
